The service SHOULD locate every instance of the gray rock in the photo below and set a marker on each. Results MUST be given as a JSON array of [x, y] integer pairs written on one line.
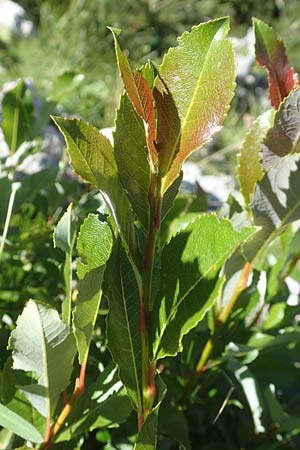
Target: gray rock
[[13, 21]]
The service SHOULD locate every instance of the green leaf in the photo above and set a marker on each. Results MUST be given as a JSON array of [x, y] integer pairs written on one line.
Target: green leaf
[[93, 159], [44, 345], [17, 116], [283, 138], [94, 246], [123, 334], [189, 285], [64, 238], [249, 167], [192, 94], [132, 159], [275, 203], [140, 95], [275, 316], [270, 53], [19, 426]]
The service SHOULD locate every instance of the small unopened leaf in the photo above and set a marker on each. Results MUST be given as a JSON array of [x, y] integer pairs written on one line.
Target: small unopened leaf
[[270, 53], [189, 282], [94, 245], [192, 93], [18, 425], [250, 169], [44, 345], [140, 94]]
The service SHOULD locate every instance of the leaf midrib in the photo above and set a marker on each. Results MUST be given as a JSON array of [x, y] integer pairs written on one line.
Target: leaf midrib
[[178, 303], [191, 103]]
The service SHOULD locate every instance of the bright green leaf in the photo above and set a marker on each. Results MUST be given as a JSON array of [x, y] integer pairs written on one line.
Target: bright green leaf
[[192, 94], [94, 245], [189, 287]]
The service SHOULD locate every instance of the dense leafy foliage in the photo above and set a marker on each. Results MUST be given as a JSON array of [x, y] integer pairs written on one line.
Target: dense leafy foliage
[[178, 328]]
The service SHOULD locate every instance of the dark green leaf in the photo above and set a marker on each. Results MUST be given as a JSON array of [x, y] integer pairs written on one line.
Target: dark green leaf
[[123, 334]]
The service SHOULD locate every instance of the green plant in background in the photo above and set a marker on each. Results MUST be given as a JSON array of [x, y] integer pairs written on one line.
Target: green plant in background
[[178, 314]]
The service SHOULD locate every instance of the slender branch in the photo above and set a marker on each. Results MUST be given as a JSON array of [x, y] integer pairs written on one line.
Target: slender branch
[[148, 369], [78, 391]]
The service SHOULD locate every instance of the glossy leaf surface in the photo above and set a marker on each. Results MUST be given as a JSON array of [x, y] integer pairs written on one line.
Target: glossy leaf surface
[[192, 94], [140, 94], [189, 284]]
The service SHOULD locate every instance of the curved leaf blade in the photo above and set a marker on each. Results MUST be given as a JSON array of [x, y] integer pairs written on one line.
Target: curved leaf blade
[[15, 423], [189, 286], [192, 93], [270, 53], [43, 344], [140, 95]]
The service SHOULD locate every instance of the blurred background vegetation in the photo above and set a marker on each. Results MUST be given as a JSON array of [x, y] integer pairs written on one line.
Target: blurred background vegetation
[[70, 37]]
